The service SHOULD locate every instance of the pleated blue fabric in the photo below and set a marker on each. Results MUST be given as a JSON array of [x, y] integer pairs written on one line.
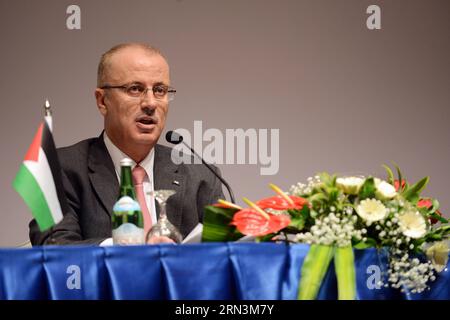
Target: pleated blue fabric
[[236, 271]]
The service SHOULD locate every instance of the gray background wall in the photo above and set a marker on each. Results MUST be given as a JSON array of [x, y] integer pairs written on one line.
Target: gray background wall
[[346, 99]]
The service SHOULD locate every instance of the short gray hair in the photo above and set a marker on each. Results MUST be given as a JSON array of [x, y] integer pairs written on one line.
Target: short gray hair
[[104, 60]]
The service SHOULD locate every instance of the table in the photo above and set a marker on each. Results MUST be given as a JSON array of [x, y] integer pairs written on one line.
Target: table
[[195, 271]]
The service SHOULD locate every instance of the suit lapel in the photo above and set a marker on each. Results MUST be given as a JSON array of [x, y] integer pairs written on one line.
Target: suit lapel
[[102, 174], [166, 176]]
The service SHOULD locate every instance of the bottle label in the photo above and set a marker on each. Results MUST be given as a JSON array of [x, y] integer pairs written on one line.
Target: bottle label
[[126, 203], [128, 234]]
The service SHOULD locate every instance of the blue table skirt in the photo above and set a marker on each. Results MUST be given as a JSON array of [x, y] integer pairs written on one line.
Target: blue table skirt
[[201, 271]]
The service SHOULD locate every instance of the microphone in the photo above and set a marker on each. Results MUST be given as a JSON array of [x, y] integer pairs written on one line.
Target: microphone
[[175, 138]]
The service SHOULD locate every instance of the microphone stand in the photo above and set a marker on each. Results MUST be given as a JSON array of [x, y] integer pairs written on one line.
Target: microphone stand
[[212, 170]]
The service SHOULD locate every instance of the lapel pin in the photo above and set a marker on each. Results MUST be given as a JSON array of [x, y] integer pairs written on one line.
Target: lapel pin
[[176, 182]]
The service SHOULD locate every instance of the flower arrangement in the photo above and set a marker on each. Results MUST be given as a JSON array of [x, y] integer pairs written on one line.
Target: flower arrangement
[[334, 215]]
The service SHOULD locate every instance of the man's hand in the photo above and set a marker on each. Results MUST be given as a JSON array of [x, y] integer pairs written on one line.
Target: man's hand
[[159, 239]]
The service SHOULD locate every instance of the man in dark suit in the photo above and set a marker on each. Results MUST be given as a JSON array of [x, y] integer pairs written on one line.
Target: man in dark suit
[[133, 93]]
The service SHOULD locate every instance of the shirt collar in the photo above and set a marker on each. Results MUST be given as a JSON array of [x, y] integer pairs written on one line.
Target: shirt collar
[[117, 155]]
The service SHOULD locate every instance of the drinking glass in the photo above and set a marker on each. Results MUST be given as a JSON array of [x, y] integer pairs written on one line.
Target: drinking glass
[[163, 228]]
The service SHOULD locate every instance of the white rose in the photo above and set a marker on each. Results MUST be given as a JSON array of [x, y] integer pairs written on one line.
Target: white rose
[[384, 190], [350, 185], [372, 210], [412, 224], [438, 254]]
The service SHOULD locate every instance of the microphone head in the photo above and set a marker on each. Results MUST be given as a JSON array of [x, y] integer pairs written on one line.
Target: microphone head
[[173, 137]]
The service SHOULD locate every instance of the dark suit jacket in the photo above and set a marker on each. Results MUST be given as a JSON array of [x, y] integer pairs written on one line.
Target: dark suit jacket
[[91, 186]]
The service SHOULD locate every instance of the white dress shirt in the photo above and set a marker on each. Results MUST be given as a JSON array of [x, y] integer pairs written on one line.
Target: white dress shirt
[[148, 163]]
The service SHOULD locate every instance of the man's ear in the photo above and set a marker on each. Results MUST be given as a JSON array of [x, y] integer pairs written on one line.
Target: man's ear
[[100, 99]]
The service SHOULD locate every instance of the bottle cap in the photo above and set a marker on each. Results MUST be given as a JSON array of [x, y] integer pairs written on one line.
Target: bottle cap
[[126, 162]]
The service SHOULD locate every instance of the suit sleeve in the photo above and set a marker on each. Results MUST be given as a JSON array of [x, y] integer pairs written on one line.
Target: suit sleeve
[[217, 192], [68, 231], [210, 192]]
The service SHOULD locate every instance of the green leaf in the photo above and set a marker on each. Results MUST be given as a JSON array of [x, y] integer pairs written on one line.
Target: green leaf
[[400, 178], [313, 214], [333, 180], [344, 264], [334, 194], [413, 192], [369, 243], [317, 198], [216, 225], [390, 174], [313, 271], [444, 230], [424, 211], [367, 189], [438, 217], [325, 178], [297, 222], [435, 205], [434, 237], [303, 212]]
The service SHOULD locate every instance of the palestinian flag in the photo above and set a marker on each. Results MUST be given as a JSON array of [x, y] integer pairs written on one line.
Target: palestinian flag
[[39, 180]]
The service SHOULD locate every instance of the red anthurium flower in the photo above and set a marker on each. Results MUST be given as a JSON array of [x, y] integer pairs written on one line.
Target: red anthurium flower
[[280, 203], [397, 184], [424, 203], [428, 203], [252, 223]]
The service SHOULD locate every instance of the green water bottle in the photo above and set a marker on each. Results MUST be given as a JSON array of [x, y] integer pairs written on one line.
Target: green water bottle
[[127, 220]]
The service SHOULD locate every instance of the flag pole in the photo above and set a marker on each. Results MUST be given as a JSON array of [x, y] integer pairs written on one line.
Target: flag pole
[[48, 115], [49, 120]]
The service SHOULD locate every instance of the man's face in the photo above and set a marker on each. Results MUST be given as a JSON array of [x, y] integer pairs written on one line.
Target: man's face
[[134, 123]]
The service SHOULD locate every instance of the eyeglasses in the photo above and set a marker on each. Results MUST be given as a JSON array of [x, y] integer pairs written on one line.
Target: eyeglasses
[[138, 90]]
